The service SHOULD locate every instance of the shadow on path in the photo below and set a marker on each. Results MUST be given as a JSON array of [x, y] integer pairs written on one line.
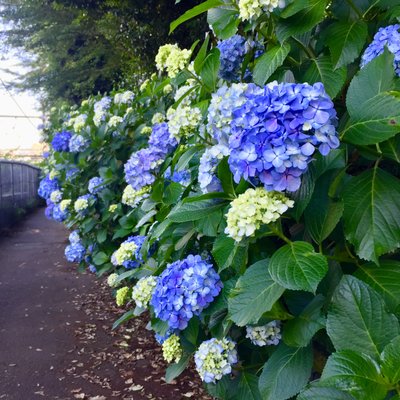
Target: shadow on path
[[55, 329]]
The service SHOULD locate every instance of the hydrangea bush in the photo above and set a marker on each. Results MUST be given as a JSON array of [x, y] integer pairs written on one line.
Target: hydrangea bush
[[246, 197]]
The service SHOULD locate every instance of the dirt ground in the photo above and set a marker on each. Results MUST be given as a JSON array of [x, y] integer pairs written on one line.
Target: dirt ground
[[56, 340]]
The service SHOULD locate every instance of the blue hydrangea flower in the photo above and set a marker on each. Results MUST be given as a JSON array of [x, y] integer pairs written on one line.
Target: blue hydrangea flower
[[61, 140], [276, 132], [96, 185], [75, 252], [92, 268], [102, 105], [46, 154], [161, 139], [232, 51], [58, 214], [184, 289], [78, 144], [385, 37], [48, 212], [183, 177], [47, 186], [160, 339], [71, 173], [125, 256], [74, 237]]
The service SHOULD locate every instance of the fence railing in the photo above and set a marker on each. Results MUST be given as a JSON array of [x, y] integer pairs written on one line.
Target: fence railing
[[18, 184]]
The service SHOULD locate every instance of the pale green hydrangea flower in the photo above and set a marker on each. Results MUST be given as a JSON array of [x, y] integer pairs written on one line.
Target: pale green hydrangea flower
[[167, 89], [253, 208], [64, 204], [157, 118], [172, 350], [183, 120], [146, 130], [143, 290], [269, 334], [132, 197], [80, 122], [144, 85], [114, 121], [125, 253], [112, 280], [172, 59], [122, 296], [81, 205], [56, 196], [53, 174], [112, 208], [252, 9]]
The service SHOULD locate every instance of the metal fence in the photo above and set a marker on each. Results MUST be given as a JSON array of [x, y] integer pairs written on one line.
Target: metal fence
[[18, 184]]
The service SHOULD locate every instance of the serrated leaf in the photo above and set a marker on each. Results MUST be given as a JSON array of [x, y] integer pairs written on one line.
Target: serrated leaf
[[224, 21], [296, 266], [321, 70], [254, 294], [346, 40], [299, 331], [391, 149], [286, 372], [247, 388], [267, 64], [323, 393], [228, 253], [355, 373], [385, 279], [371, 210], [358, 320], [195, 210], [390, 361], [302, 21]]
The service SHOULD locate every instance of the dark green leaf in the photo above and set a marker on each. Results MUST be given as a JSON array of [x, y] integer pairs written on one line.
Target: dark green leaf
[[286, 372], [210, 68], [254, 294], [247, 388], [195, 210], [323, 393], [101, 235], [296, 266], [358, 320], [228, 253], [224, 21], [303, 195], [174, 370], [390, 361], [371, 210], [226, 178], [201, 55], [100, 258], [125, 317]]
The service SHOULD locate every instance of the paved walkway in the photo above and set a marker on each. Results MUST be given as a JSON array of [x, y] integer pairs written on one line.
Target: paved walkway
[[55, 329]]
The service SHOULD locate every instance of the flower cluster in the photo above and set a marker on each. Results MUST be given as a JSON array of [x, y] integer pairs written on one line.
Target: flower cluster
[[74, 237], [161, 139], [64, 204], [253, 208], [61, 140], [114, 121], [59, 214], [56, 196], [82, 203], [209, 161], [124, 98], [100, 110], [128, 254], [132, 197], [78, 143], [266, 335], [385, 37], [172, 350], [184, 289], [80, 122], [183, 120], [223, 102], [276, 131], [47, 186], [122, 296], [75, 251], [183, 177], [172, 59], [214, 359], [143, 290], [232, 52], [71, 173], [252, 9], [112, 280], [157, 118], [96, 185]]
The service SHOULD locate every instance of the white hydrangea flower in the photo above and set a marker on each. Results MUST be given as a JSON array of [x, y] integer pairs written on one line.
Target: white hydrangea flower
[[252, 9], [56, 196], [253, 208], [172, 59], [64, 204], [80, 122], [112, 280], [266, 335], [157, 118], [172, 350], [183, 120], [81, 205], [114, 121], [143, 290], [132, 197]]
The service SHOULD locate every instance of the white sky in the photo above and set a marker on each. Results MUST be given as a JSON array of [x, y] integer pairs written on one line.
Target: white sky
[[17, 133]]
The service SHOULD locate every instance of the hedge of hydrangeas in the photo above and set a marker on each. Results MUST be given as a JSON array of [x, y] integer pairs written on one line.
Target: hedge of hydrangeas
[[246, 196]]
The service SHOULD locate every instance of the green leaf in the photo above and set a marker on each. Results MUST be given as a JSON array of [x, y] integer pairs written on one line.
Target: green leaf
[[334, 160], [100, 258], [390, 361], [286, 372], [210, 68], [182, 242], [224, 21], [376, 77], [101, 235], [201, 55], [371, 210], [125, 317], [303, 195], [226, 178], [323, 393], [299, 331], [195, 210], [267, 64], [321, 70], [194, 12], [296, 266], [174, 370], [355, 373], [358, 320], [228, 253], [309, 16], [385, 279], [254, 294], [172, 193], [294, 7], [391, 149], [346, 40], [247, 388]]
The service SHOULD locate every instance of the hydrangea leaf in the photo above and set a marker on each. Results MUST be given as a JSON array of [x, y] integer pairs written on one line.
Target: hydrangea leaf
[[323, 393], [228, 253], [247, 388], [194, 211], [210, 68], [224, 21], [390, 361], [321, 70], [385, 279], [267, 64], [371, 209], [303, 21], [286, 372], [100, 258], [355, 373], [296, 266], [254, 294], [358, 320], [174, 370], [391, 148], [346, 40]]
